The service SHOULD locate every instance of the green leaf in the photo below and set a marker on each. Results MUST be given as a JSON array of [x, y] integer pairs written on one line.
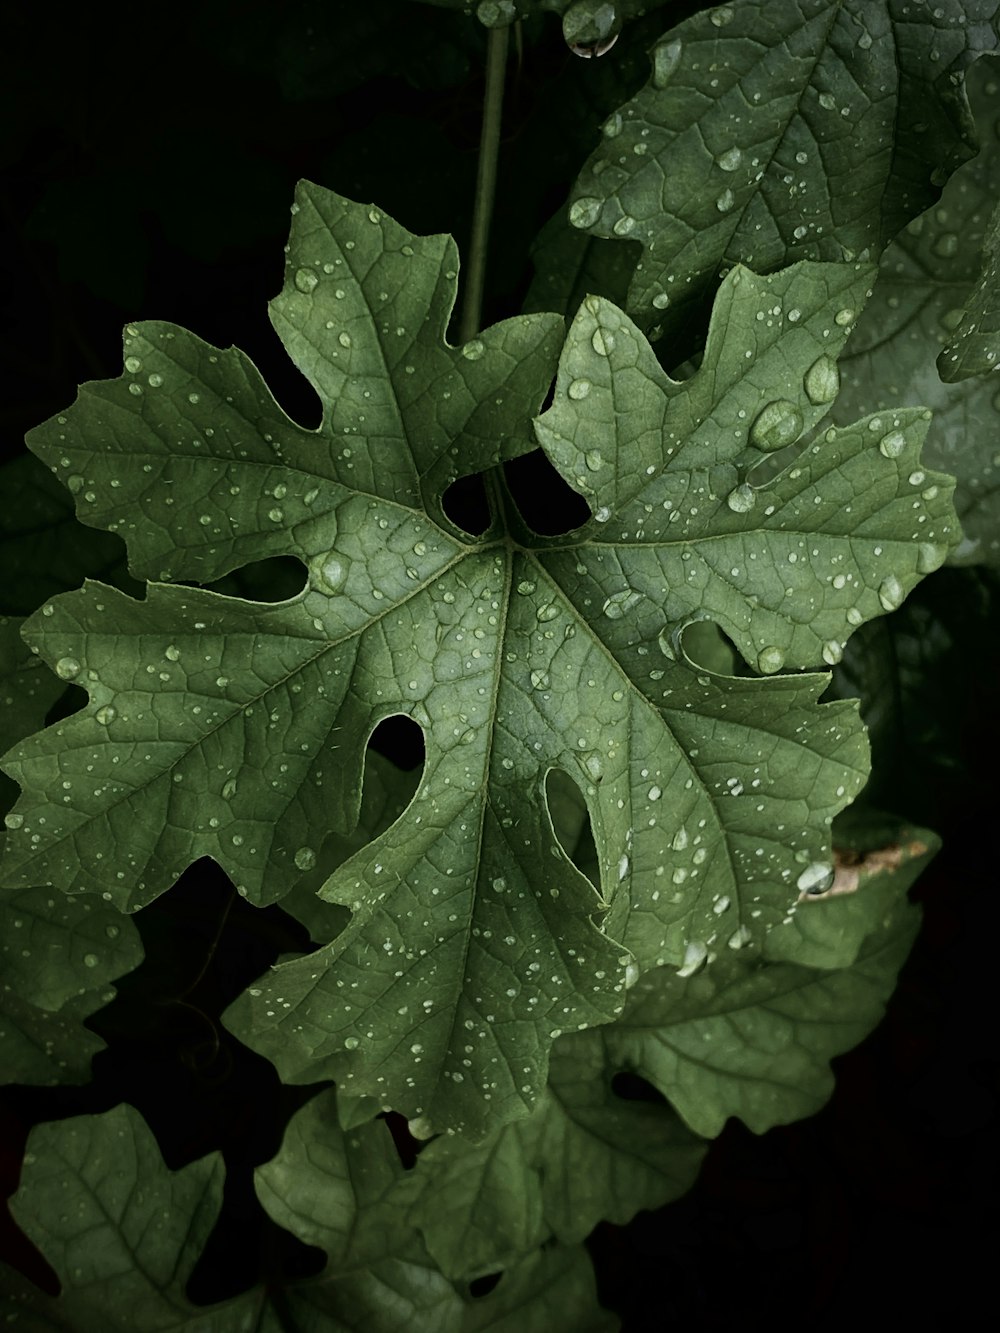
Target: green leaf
[[56, 948], [45, 1047], [876, 859], [43, 549], [754, 1040], [27, 692], [223, 727], [582, 1156], [774, 130], [925, 280], [549, 1292], [337, 1188], [974, 347], [122, 1232]]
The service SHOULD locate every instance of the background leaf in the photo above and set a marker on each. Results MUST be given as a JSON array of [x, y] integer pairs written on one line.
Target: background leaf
[[754, 1040], [925, 278], [770, 132]]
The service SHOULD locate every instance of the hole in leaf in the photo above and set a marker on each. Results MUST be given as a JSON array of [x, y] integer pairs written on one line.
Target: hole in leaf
[[274, 580], [467, 504], [772, 465], [482, 1286], [633, 1088], [400, 739], [571, 823], [544, 499], [709, 647]]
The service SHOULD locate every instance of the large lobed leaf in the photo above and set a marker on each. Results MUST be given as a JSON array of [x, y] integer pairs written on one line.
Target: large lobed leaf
[[224, 727], [776, 130]]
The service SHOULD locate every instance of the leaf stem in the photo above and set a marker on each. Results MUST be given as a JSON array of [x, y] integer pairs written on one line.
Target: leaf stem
[[486, 180]]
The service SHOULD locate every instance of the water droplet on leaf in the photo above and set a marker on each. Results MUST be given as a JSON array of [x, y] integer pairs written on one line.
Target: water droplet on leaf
[[822, 380], [779, 424]]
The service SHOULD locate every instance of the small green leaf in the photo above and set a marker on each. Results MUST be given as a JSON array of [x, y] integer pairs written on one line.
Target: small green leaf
[[336, 1189], [755, 1040], [122, 1232]]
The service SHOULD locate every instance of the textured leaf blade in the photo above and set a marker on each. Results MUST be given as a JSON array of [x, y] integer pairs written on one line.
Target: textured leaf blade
[[755, 1040], [122, 1232], [584, 1155], [229, 728], [770, 132], [974, 348], [925, 278]]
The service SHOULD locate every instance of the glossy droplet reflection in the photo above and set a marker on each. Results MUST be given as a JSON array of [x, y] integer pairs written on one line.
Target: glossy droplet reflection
[[329, 572], [778, 425]]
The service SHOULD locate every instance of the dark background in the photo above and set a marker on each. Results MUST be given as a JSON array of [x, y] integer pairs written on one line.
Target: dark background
[[148, 162]]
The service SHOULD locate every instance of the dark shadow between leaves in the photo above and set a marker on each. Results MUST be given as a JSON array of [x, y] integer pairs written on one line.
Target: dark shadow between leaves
[[466, 503], [548, 505], [633, 1088], [246, 1246], [72, 699]]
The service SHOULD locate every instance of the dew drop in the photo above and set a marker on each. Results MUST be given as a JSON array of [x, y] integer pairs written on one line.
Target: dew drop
[[725, 201], [473, 350], [770, 660], [833, 652], [67, 668], [133, 365], [578, 389], [730, 159], [822, 380], [779, 424], [742, 499], [694, 958], [106, 714], [603, 341], [930, 556], [306, 280], [329, 572], [620, 602], [890, 592], [90, 960], [593, 460], [816, 878], [893, 444], [666, 58], [584, 212], [305, 858]]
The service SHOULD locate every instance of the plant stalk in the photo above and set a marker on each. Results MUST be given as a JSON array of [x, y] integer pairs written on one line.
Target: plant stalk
[[486, 180]]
